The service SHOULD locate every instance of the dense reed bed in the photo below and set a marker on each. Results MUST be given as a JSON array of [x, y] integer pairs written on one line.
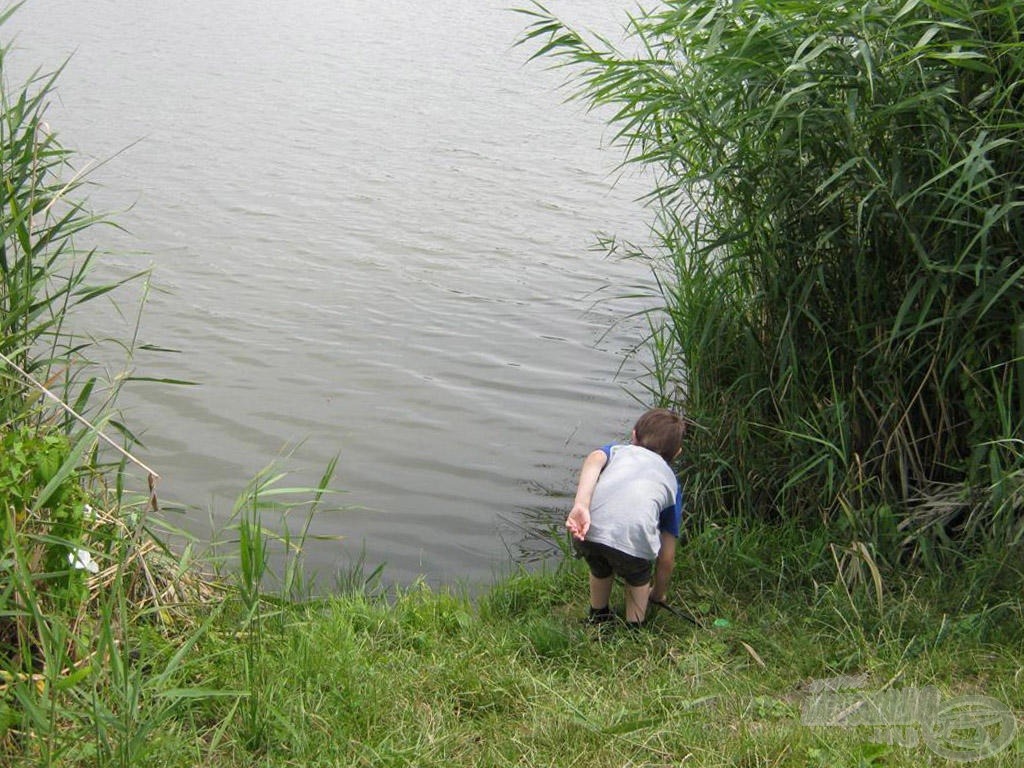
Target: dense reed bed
[[838, 227]]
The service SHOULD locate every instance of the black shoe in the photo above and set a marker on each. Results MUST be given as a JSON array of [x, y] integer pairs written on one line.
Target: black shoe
[[599, 615]]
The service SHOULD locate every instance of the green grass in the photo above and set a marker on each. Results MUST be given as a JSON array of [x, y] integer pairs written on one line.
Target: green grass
[[517, 680], [425, 677]]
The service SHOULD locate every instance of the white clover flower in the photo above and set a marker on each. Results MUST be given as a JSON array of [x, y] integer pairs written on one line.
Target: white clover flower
[[82, 560]]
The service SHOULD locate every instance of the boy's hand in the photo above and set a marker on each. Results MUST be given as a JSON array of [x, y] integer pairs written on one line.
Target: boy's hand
[[578, 521]]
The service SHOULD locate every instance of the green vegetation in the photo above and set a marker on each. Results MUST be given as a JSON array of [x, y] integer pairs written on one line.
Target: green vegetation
[[428, 678], [839, 230], [43, 496], [78, 563]]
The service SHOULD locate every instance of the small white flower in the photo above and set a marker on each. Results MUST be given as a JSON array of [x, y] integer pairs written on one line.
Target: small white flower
[[81, 560], [88, 512]]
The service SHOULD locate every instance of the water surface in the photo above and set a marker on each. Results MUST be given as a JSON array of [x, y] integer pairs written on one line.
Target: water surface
[[370, 226]]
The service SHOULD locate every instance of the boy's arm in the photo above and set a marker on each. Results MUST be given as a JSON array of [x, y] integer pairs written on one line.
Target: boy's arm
[[663, 567], [579, 518]]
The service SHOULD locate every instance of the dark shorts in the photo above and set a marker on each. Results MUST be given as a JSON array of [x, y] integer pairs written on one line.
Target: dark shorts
[[605, 561]]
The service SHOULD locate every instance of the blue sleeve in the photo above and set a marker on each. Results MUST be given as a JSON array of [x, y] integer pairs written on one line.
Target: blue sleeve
[[671, 517], [607, 449]]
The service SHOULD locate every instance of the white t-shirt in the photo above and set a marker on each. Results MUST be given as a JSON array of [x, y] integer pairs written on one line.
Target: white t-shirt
[[637, 495]]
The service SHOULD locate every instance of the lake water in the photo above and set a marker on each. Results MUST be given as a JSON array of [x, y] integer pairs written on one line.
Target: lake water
[[370, 226]]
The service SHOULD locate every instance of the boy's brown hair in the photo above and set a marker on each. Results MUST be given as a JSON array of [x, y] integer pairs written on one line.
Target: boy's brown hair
[[662, 431]]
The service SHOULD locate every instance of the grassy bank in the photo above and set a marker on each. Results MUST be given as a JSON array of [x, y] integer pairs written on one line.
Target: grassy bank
[[421, 677], [521, 682]]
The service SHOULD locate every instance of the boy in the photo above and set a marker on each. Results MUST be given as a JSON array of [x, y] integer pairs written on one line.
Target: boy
[[627, 512]]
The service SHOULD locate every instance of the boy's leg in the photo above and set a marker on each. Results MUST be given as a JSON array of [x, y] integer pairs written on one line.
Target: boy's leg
[[601, 574], [600, 592], [636, 602]]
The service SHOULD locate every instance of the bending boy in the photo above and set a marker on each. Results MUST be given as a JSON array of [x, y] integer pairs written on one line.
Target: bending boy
[[627, 512]]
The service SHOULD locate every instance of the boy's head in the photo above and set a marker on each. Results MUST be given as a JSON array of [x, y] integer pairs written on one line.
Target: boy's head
[[662, 431]]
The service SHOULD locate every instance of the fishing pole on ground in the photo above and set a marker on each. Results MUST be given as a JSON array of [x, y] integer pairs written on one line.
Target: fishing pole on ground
[[677, 613]]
